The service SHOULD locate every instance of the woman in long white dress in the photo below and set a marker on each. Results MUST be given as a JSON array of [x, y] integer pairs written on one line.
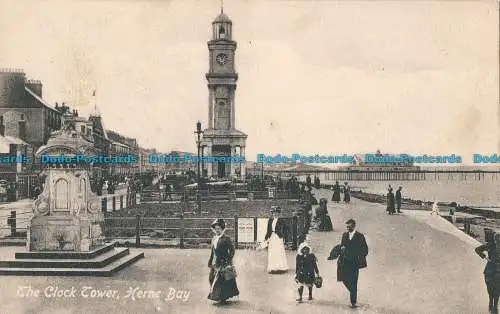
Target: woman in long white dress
[[276, 230], [435, 208]]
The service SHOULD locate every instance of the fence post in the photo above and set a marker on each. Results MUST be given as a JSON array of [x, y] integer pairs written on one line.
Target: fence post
[[104, 204], [255, 229], [114, 203], [138, 231], [467, 225], [236, 232], [488, 232], [12, 222], [295, 226], [183, 207]]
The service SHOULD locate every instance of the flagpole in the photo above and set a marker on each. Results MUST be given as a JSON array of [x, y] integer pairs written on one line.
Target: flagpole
[[95, 102]]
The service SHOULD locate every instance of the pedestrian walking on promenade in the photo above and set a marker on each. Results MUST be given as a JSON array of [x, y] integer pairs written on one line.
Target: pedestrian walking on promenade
[[492, 269], [453, 214], [351, 257], [308, 181], [324, 221], [306, 270], [391, 209], [276, 231], [222, 275], [336, 192], [435, 209], [317, 182], [347, 193], [398, 200]]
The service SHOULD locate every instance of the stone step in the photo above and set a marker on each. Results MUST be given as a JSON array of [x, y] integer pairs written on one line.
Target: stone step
[[106, 271], [66, 254], [96, 262]]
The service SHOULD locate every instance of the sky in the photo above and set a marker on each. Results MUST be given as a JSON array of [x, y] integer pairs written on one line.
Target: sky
[[315, 77]]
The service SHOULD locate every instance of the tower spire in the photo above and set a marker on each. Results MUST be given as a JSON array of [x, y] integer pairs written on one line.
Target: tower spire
[[222, 6], [96, 110]]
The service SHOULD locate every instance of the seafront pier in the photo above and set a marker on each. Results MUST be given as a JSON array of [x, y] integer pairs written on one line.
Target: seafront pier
[[386, 174]]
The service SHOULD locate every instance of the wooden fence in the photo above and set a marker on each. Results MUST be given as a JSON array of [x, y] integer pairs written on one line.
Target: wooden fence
[[186, 232]]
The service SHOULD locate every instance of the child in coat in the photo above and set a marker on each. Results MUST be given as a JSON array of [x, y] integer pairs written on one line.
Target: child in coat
[[306, 270]]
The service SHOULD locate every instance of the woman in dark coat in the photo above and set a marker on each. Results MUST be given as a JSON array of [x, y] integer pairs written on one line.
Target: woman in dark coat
[[336, 192], [391, 206], [347, 193], [492, 269], [221, 257], [325, 223], [317, 183]]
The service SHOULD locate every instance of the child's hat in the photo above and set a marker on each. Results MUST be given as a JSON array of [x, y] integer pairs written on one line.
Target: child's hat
[[302, 246]]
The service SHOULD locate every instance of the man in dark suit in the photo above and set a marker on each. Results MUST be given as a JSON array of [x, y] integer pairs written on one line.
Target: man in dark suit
[[398, 200], [353, 251], [391, 206]]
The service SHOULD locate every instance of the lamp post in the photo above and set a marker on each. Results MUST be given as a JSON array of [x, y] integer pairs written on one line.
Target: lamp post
[[262, 175], [239, 155], [202, 162], [198, 143]]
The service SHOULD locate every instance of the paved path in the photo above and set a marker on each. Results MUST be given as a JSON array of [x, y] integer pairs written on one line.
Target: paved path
[[413, 267]]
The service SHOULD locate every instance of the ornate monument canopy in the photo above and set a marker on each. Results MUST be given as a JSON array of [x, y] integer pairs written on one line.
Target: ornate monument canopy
[[67, 141]]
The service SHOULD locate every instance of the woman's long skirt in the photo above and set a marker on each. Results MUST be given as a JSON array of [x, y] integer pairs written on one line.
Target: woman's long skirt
[[336, 196], [347, 197], [326, 223], [221, 289], [276, 256]]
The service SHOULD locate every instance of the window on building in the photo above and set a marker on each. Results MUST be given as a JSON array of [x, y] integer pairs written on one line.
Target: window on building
[[83, 129]]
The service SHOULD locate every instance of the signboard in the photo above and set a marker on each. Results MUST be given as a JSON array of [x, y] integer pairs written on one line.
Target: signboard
[[246, 230]]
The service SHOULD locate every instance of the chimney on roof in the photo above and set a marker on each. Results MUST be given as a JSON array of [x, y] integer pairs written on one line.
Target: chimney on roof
[[22, 128], [35, 86]]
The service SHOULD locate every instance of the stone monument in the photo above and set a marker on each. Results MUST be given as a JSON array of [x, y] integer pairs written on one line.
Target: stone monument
[[67, 215], [65, 235]]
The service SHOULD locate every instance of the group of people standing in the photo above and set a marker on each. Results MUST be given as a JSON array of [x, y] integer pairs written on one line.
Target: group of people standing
[[350, 254], [337, 190], [316, 182], [394, 201]]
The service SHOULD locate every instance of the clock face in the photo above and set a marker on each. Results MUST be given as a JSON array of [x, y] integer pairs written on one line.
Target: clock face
[[221, 59]]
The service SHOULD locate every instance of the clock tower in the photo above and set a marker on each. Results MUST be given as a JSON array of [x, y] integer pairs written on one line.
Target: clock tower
[[221, 138]]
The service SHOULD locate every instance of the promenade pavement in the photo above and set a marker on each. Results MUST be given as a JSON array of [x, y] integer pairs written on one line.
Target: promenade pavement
[[413, 267]]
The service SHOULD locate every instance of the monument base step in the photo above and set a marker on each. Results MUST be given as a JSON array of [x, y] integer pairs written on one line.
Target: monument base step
[[105, 271], [97, 262], [67, 254]]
